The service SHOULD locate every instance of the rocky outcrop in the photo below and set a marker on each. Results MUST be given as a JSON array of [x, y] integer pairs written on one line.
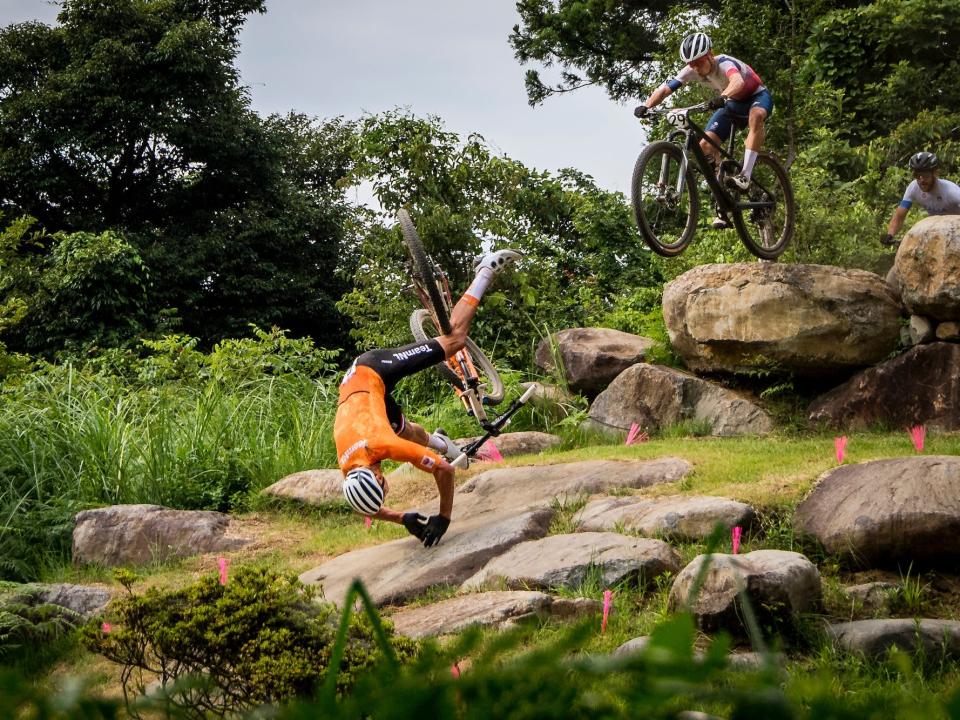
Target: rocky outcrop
[[681, 517], [655, 397], [496, 609], [878, 513], [778, 583], [138, 534], [520, 443], [313, 487], [567, 561], [874, 637], [928, 268], [812, 320], [922, 386], [591, 357]]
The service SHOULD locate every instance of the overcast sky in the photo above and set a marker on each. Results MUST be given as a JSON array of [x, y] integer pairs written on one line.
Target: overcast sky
[[442, 57]]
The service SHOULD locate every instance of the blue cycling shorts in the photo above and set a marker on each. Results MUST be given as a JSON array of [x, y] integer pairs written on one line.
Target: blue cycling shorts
[[736, 112]]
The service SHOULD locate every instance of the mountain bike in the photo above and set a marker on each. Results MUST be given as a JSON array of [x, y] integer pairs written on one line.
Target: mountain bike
[[666, 200], [472, 375]]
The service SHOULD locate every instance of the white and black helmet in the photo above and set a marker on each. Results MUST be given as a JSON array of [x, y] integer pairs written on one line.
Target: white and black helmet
[[924, 161], [694, 46], [362, 491]]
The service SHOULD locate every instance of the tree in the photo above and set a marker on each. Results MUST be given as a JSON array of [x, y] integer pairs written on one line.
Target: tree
[[128, 115]]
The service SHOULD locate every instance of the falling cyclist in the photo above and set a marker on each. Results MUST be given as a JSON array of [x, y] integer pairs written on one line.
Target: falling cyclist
[[370, 427]]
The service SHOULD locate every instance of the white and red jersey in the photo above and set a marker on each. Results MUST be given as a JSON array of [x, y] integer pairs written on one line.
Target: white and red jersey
[[719, 77]]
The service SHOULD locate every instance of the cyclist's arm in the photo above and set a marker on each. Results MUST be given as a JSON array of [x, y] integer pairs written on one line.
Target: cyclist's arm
[[443, 474], [896, 222], [658, 96], [734, 84]]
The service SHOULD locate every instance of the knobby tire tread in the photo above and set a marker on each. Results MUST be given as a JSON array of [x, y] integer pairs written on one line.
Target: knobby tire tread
[[424, 268], [656, 149]]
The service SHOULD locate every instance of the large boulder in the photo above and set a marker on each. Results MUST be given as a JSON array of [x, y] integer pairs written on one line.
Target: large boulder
[[813, 320], [138, 534], [567, 561], [928, 268], [495, 609], [874, 637], [655, 397], [591, 357], [878, 513], [680, 517], [313, 487], [527, 442], [779, 584], [922, 386]]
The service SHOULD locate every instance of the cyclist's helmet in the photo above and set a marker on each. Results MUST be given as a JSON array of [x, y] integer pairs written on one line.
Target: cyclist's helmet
[[362, 491], [694, 46], [923, 161]]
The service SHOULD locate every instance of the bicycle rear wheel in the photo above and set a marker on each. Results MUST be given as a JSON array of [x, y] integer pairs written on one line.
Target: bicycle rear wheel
[[424, 272], [767, 231], [666, 216], [491, 386]]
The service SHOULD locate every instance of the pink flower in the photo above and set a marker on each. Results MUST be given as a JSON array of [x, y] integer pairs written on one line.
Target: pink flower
[[368, 521], [223, 563], [918, 433], [106, 628], [737, 532], [607, 602], [840, 444]]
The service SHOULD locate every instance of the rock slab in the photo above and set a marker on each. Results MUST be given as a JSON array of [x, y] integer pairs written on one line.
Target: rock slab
[[568, 560], [138, 534], [313, 487], [877, 513], [813, 320], [528, 442], [591, 357], [875, 637], [496, 609], [680, 517]]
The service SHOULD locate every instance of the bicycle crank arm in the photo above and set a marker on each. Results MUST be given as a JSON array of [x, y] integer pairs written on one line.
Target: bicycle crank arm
[[493, 428]]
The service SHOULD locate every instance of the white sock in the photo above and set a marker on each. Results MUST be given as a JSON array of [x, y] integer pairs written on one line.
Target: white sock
[[749, 158], [480, 284]]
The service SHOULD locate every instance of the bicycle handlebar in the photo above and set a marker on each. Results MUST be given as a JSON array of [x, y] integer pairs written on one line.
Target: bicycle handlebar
[[657, 113]]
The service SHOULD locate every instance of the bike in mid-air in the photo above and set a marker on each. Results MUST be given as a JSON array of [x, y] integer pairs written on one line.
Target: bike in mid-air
[[472, 375], [665, 195]]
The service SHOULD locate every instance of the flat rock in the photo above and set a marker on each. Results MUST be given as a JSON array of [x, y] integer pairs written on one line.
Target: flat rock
[[655, 397], [813, 320], [138, 534], [490, 609], [928, 268], [740, 659], [873, 596], [921, 386], [591, 357], [681, 517], [882, 512], [875, 637], [568, 560], [528, 442], [778, 583], [313, 487], [397, 571], [86, 600]]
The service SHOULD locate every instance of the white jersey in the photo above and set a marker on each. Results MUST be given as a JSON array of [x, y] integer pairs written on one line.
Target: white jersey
[[944, 199], [719, 77]]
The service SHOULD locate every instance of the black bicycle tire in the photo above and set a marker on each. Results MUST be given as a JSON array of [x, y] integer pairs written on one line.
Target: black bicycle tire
[[423, 266], [673, 249], [783, 178], [496, 392]]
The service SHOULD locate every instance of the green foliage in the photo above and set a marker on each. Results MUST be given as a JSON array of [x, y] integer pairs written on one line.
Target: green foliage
[[261, 638], [29, 629]]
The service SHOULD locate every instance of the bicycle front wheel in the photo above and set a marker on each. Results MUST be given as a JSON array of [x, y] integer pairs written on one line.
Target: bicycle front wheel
[[665, 205], [766, 230], [490, 386], [424, 274]]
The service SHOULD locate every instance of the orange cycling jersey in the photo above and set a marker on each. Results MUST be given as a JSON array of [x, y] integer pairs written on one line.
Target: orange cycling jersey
[[362, 430]]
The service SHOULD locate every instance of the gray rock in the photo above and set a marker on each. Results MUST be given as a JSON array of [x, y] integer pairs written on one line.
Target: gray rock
[[86, 600], [875, 637], [948, 331], [682, 517], [637, 644], [553, 400], [520, 443], [921, 330], [592, 357], [887, 511], [655, 397], [928, 268], [313, 487], [922, 386], [779, 585], [138, 534], [872, 596], [567, 561], [740, 659], [490, 609], [813, 320]]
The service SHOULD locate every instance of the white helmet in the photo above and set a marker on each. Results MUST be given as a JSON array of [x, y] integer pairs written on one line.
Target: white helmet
[[694, 46], [362, 491]]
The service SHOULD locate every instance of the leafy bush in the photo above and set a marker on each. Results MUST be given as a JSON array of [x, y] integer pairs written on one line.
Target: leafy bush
[[261, 638]]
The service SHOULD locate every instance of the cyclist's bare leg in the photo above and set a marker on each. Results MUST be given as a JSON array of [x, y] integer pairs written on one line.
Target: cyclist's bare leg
[[713, 155], [755, 137]]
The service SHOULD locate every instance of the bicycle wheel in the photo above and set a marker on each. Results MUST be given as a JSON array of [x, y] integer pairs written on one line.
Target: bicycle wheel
[[424, 274], [667, 217], [767, 231], [491, 386]]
